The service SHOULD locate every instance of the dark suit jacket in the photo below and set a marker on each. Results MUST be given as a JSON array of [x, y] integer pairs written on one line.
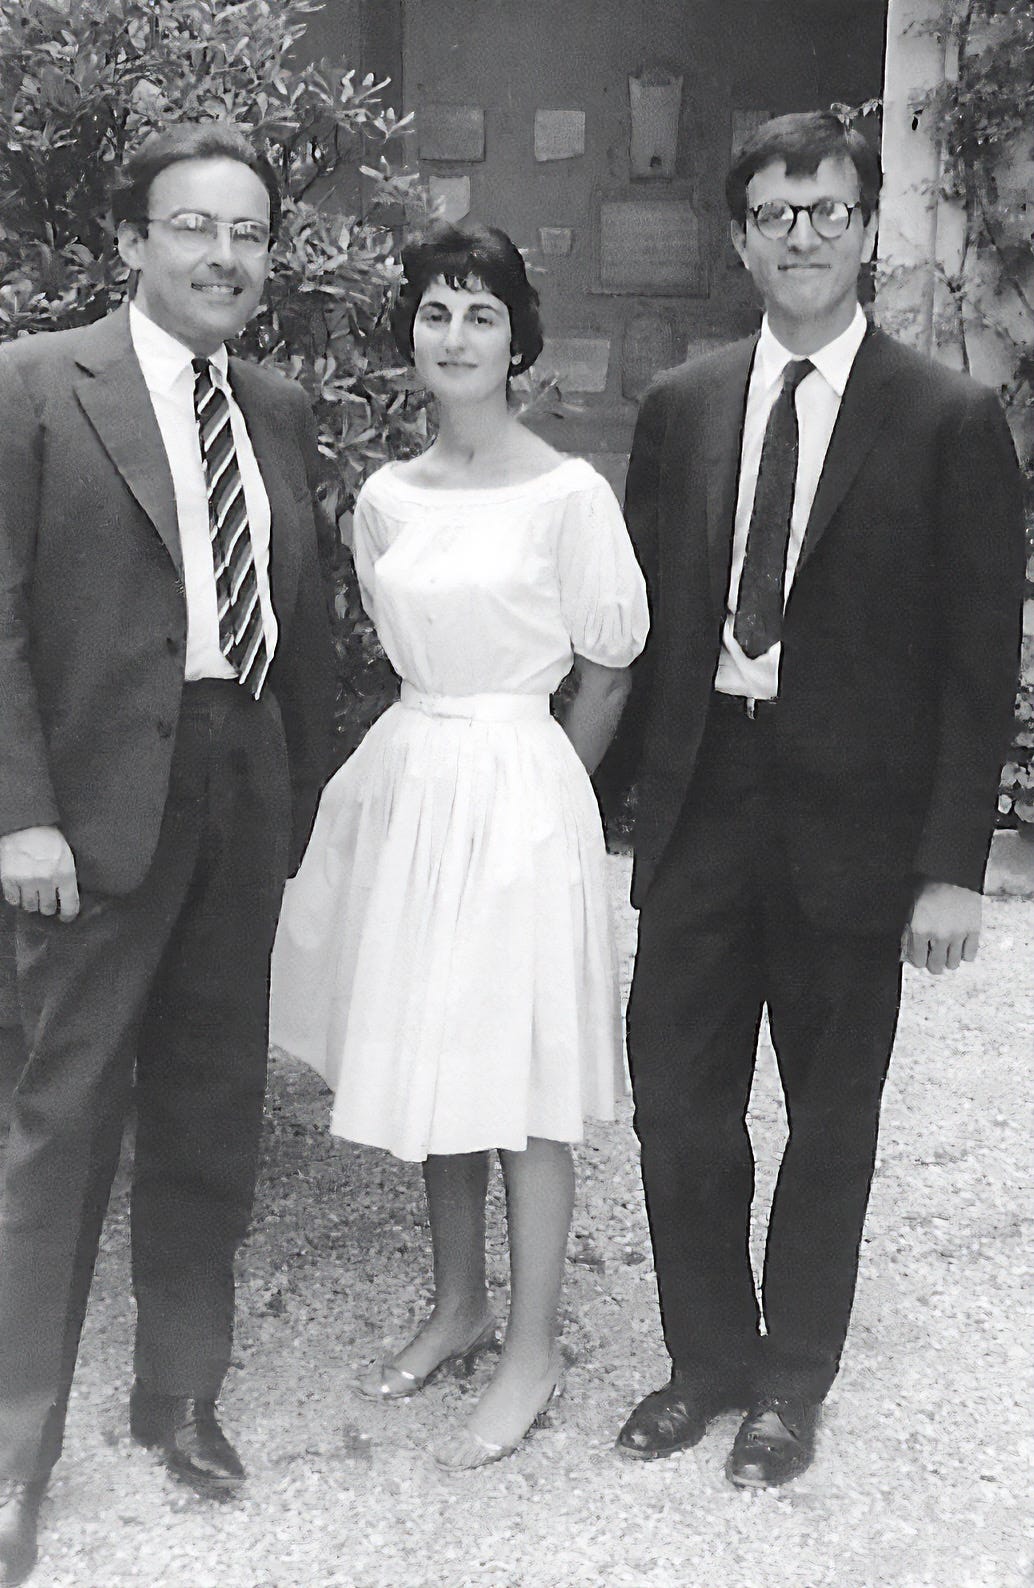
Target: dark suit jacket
[[901, 633], [92, 609]]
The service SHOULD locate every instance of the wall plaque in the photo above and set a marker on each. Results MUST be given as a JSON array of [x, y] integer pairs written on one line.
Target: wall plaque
[[654, 101], [555, 241], [648, 347], [451, 132], [450, 196], [559, 134], [650, 246], [580, 362]]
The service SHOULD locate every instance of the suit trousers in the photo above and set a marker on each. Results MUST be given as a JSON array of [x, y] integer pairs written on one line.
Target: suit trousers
[[172, 980], [12, 1040], [722, 934]]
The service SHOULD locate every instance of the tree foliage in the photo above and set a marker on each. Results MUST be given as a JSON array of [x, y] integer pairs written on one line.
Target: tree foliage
[[82, 81]]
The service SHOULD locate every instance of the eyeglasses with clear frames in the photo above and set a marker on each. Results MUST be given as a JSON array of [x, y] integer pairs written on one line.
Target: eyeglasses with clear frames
[[194, 229], [829, 217]]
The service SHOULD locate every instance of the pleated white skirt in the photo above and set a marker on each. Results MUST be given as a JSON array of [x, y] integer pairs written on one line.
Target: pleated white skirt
[[445, 957]]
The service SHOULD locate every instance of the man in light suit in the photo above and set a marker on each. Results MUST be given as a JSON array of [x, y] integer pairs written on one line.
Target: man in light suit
[[832, 536], [165, 681]]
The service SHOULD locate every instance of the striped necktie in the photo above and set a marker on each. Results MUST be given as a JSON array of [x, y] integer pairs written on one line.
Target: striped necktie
[[759, 607], [242, 638]]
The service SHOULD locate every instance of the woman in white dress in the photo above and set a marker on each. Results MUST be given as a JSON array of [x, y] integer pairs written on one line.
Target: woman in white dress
[[445, 956]]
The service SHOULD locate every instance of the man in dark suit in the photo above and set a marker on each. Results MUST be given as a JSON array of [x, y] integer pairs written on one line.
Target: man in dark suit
[[831, 531], [165, 679]]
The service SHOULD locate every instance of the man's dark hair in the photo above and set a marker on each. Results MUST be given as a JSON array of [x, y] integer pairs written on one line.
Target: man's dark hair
[[200, 140], [469, 255], [802, 141]]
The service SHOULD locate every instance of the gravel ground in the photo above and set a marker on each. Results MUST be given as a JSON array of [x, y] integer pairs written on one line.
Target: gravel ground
[[925, 1461]]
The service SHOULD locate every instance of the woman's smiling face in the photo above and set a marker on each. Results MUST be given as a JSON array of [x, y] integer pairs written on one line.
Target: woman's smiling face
[[461, 341]]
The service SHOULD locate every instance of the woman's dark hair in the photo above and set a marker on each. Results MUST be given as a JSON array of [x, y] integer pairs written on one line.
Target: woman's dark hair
[[802, 141], [468, 255], [200, 140]]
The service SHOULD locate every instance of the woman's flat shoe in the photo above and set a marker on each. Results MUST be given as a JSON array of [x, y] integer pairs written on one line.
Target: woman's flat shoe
[[464, 1450], [386, 1382]]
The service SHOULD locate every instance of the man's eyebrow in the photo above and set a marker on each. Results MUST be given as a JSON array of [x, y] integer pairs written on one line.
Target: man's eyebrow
[[195, 209]]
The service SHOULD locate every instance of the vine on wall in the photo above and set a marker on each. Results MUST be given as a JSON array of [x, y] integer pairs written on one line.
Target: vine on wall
[[985, 119]]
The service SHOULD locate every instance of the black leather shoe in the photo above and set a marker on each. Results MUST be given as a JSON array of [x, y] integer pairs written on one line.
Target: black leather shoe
[[673, 1418], [187, 1438], [776, 1442], [19, 1521]]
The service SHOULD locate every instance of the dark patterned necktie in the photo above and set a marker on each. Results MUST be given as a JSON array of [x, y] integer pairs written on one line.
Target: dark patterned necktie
[[242, 638], [759, 609]]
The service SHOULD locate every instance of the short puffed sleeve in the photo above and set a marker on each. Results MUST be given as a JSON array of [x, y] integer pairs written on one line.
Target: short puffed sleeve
[[602, 591], [370, 536]]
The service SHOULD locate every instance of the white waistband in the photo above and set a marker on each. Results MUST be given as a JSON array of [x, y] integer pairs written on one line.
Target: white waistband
[[482, 708]]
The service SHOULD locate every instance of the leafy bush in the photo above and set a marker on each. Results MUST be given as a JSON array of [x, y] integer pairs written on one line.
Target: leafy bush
[[83, 80]]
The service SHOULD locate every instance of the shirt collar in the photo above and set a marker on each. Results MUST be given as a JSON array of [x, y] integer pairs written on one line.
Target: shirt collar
[[162, 358], [833, 361]]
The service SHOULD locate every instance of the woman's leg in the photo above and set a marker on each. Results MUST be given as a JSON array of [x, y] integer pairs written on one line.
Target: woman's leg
[[455, 1185], [539, 1201]]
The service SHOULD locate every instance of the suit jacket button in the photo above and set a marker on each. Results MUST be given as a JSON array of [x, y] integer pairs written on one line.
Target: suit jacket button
[[172, 645], [164, 729]]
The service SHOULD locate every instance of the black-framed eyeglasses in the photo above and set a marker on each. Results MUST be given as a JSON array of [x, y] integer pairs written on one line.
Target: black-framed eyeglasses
[[829, 217], [195, 229]]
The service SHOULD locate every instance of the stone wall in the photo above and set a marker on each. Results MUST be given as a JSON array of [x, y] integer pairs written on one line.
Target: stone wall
[[523, 117]]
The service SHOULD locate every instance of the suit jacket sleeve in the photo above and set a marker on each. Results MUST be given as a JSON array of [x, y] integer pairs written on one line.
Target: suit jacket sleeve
[[27, 796], [305, 680], [979, 576], [616, 772]]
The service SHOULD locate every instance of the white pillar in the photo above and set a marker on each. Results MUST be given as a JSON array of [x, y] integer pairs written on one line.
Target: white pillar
[[922, 235]]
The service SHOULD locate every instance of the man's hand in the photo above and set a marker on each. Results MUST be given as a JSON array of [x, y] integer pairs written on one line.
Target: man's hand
[[944, 928], [37, 870]]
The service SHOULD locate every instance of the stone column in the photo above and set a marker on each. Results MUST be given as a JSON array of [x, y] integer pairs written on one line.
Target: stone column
[[922, 234]]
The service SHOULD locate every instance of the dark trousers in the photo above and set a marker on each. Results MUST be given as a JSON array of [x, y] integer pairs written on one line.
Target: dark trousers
[[12, 1039], [722, 934], [172, 977]]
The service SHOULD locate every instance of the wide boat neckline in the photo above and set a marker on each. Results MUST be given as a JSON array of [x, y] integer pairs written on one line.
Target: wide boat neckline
[[514, 488]]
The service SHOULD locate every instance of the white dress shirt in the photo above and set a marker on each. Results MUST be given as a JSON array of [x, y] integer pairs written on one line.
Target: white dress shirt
[[166, 366], [818, 403]]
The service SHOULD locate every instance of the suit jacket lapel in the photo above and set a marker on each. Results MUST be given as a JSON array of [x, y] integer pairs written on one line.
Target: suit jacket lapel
[[116, 401], [723, 432], [864, 411]]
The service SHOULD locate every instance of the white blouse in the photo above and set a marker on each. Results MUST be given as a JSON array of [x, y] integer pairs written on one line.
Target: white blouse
[[494, 590]]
